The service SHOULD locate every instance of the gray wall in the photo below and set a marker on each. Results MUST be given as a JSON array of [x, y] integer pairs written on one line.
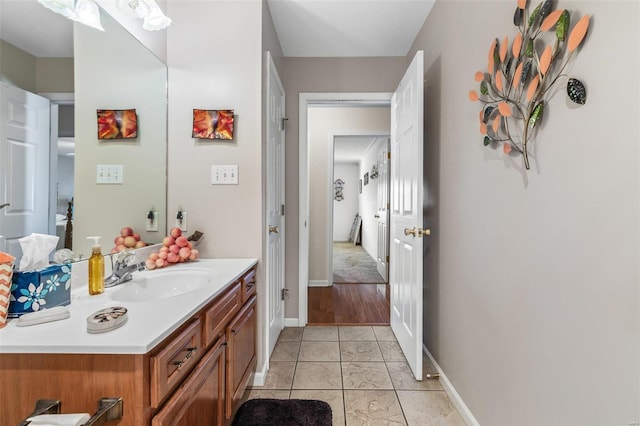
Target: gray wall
[[35, 75], [322, 75], [17, 67], [531, 279], [54, 75]]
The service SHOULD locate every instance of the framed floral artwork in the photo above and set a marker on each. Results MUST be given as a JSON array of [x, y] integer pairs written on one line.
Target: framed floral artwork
[[117, 123], [213, 124]]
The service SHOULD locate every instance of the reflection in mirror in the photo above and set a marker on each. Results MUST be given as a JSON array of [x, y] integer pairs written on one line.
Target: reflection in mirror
[[36, 52], [114, 71]]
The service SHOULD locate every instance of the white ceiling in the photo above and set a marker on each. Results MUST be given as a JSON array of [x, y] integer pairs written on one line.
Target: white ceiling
[[305, 28], [34, 29], [326, 28], [351, 149]]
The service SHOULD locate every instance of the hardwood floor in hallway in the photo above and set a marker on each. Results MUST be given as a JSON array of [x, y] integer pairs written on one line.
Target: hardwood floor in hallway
[[345, 304]]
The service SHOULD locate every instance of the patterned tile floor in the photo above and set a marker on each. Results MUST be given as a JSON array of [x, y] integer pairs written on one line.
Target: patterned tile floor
[[361, 372]]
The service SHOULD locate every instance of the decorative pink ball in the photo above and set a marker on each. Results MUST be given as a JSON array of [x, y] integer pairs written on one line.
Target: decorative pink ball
[[182, 241], [185, 252]]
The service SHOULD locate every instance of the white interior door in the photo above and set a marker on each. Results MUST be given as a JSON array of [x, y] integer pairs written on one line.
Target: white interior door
[[406, 214], [382, 214], [275, 203], [24, 166]]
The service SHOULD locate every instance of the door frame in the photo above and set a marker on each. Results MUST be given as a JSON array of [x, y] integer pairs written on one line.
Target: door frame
[[56, 99], [305, 101], [388, 194], [332, 141], [272, 71]]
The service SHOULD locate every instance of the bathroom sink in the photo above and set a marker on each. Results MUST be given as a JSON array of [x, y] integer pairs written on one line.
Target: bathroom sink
[[157, 285]]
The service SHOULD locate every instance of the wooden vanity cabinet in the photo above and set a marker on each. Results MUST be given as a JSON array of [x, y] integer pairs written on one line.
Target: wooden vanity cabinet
[[196, 376], [241, 354], [200, 399], [213, 390]]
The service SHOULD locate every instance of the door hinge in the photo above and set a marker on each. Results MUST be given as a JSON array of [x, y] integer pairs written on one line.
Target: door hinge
[[281, 209], [388, 154], [283, 121], [285, 293], [387, 259], [388, 206]]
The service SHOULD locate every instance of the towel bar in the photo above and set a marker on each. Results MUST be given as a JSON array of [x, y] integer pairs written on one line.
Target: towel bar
[[108, 409], [43, 406]]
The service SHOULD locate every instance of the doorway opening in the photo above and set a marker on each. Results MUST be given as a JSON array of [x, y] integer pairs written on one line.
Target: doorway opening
[[61, 167], [335, 303]]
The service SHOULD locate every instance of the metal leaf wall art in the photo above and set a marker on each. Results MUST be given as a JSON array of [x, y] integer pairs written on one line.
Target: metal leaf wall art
[[517, 84]]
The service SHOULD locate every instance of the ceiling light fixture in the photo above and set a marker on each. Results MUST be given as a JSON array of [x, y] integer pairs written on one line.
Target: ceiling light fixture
[[87, 12], [84, 11], [147, 10]]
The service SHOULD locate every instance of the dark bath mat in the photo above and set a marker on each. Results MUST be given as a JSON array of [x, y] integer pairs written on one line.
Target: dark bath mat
[[283, 412]]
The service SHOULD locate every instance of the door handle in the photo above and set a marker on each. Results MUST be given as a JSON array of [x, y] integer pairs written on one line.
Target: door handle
[[2, 206], [417, 232], [377, 216], [273, 229]]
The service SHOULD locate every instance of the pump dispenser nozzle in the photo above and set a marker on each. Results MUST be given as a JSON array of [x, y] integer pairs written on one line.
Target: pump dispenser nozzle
[[96, 241]]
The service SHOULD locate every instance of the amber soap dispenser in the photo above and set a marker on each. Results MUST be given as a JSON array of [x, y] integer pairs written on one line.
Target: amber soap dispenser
[[96, 268]]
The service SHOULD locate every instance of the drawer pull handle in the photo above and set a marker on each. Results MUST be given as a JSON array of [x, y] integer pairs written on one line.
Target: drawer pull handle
[[190, 352]]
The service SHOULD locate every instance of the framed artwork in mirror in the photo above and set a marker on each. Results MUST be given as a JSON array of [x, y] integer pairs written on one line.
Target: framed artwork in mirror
[[213, 124], [117, 123]]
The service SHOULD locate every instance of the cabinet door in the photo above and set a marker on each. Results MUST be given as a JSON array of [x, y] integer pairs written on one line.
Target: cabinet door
[[241, 354], [200, 399]]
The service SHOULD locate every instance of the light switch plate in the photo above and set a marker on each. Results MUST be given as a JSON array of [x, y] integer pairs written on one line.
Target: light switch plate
[[109, 174], [224, 175]]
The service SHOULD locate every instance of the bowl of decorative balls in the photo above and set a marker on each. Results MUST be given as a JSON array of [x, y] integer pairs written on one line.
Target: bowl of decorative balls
[[176, 248]]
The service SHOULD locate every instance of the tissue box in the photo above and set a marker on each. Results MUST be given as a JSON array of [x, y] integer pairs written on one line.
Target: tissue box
[[39, 289]]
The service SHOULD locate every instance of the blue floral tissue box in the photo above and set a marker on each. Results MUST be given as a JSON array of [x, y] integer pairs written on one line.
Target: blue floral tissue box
[[39, 289]]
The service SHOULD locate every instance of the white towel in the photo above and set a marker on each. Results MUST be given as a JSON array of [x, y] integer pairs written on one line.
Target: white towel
[[59, 419]]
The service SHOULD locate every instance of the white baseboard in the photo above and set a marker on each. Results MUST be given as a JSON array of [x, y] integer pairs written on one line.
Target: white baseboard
[[291, 322], [319, 283], [259, 377], [462, 408]]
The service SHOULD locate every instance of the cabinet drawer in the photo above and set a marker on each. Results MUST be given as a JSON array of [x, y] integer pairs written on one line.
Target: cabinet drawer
[[248, 285], [220, 313], [200, 399], [174, 361]]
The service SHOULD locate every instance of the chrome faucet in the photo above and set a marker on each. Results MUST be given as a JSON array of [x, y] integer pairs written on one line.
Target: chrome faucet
[[122, 271]]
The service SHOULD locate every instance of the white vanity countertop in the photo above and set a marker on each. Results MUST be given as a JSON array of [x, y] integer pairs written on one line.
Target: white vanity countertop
[[148, 324]]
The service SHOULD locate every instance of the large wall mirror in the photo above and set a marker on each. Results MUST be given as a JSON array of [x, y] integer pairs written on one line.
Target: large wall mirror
[[114, 71], [109, 70]]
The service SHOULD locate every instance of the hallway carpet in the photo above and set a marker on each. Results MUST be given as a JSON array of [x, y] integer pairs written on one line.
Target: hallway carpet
[[352, 264]]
